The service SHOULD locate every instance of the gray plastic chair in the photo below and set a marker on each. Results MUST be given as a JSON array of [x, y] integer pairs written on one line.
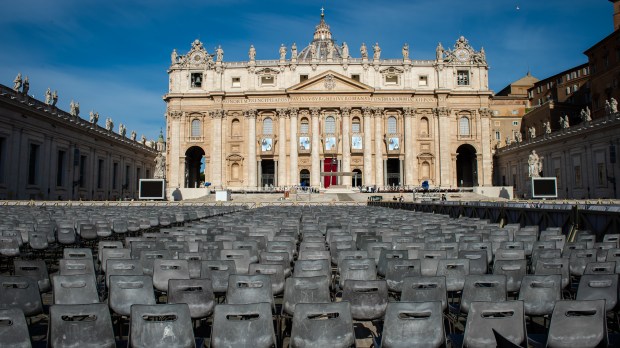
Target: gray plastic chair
[[122, 267], [387, 255], [243, 325], [164, 270], [599, 287], [455, 271], [539, 293], [506, 318], [14, 329], [161, 326], [241, 257], [398, 269], [196, 293], [368, 298], [304, 290], [608, 267], [483, 288], [75, 289], [425, 289], [578, 324], [86, 325], [312, 268], [21, 292], [274, 271], [127, 290], [276, 258], [477, 260], [413, 324], [514, 270], [218, 271], [357, 269], [554, 266], [36, 269], [243, 289], [322, 325], [579, 259]]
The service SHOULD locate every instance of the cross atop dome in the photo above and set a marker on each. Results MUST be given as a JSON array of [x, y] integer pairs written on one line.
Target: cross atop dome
[[322, 31]]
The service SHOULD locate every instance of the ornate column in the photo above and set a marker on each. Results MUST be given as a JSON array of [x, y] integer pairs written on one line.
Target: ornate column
[[379, 147], [410, 161], [250, 117], [216, 147], [315, 174], [367, 177], [173, 169], [485, 166], [282, 147], [346, 147], [444, 134], [294, 173]]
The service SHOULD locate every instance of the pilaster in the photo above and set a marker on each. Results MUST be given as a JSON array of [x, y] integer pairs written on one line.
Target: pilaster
[[294, 170], [378, 114], [315, 175], [368, 177], [250, 118], [346, 147]]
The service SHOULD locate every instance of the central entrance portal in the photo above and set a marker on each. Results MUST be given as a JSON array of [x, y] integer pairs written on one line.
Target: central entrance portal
[[466, 166], [330, 165], [268, 173], [393, 172], [194, 164]]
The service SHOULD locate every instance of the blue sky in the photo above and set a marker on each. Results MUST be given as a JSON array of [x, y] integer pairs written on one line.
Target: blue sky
[[112, 55]]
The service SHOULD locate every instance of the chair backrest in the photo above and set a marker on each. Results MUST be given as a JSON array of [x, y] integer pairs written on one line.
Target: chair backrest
[[218, 271], [241, 257], [197, 293], [127, 290], [579, 259], [506, 318], [357, 269], [21, 292], [276, 258], [122, 267], [108, 254], [322, 325], [509, 254], [80, 326], [368, 298], [486, 287], [554, 266], [108, 244], [398, 269], [608, 267], [599, 287], [161, 326], [425, 289], [164, 270], [76, 266], [148, 257], [455, 271], [243, 325], [14, 329], [351, 254], [312, 268], [75, 289], [77, 253], [514, 270], [578, 324], [387, 255], [243, 288], [477, 260], [274, 271], [539, 293], [413, 324], [36, 269], [304, 290]]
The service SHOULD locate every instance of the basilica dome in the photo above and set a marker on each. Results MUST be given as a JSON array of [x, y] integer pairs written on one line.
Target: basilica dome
[[321, 42]]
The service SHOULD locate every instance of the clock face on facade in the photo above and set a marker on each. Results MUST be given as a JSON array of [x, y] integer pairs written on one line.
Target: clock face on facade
[[197, 58], [462, 55]]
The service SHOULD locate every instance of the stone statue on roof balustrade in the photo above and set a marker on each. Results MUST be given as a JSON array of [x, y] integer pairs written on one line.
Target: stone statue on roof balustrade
[[17, 83]]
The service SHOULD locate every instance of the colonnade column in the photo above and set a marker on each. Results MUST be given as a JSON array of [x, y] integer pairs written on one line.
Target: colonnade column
[[281, 147], [216, 147], [173, 169], [409, 147], [315, 175], [250, 117], [346, 146], [379, 147], [367, 177], [294, 180]]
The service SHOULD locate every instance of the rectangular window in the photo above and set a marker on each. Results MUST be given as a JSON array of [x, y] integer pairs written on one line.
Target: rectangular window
[[236, 82], [391, 79], [355, 77], [267, 81], [497, 123], [575, 88], [303, 78], [100, 172], [115, 176], [2, 158], [567, 90], [559, 81], [577, 170], [515, 112], [196, 80], [83, 171], [148, 174], [60, 169], [33, 164], [423, 81], [515, 123], [462, 77], [498, 135]]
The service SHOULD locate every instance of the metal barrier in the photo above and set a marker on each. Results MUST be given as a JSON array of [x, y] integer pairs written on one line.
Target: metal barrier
[[597, 218]]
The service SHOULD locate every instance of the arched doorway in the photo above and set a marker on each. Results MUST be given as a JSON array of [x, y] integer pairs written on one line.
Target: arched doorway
[[304, 178], [466, 166], [356, 181], [194, 166]]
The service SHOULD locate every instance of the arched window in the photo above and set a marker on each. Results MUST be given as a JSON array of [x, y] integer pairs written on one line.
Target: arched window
[[426, 170], [196, 131], [424, 129], [305, 126], [391, 125], [330, 125], [356, 128], [235, 128], [267, 126], [234, 171], [464, 126]]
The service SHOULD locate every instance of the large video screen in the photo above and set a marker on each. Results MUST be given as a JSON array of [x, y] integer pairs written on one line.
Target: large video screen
[[152, 189], [544, 188]]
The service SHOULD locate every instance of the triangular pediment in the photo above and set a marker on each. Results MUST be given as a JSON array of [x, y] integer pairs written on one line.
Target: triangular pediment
[[330, 81]]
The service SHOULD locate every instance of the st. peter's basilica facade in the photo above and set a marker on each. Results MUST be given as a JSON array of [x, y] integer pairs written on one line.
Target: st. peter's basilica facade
[[319, 117]]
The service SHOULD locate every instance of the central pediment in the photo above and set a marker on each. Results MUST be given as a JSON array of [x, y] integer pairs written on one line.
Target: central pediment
[[330, 81]]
